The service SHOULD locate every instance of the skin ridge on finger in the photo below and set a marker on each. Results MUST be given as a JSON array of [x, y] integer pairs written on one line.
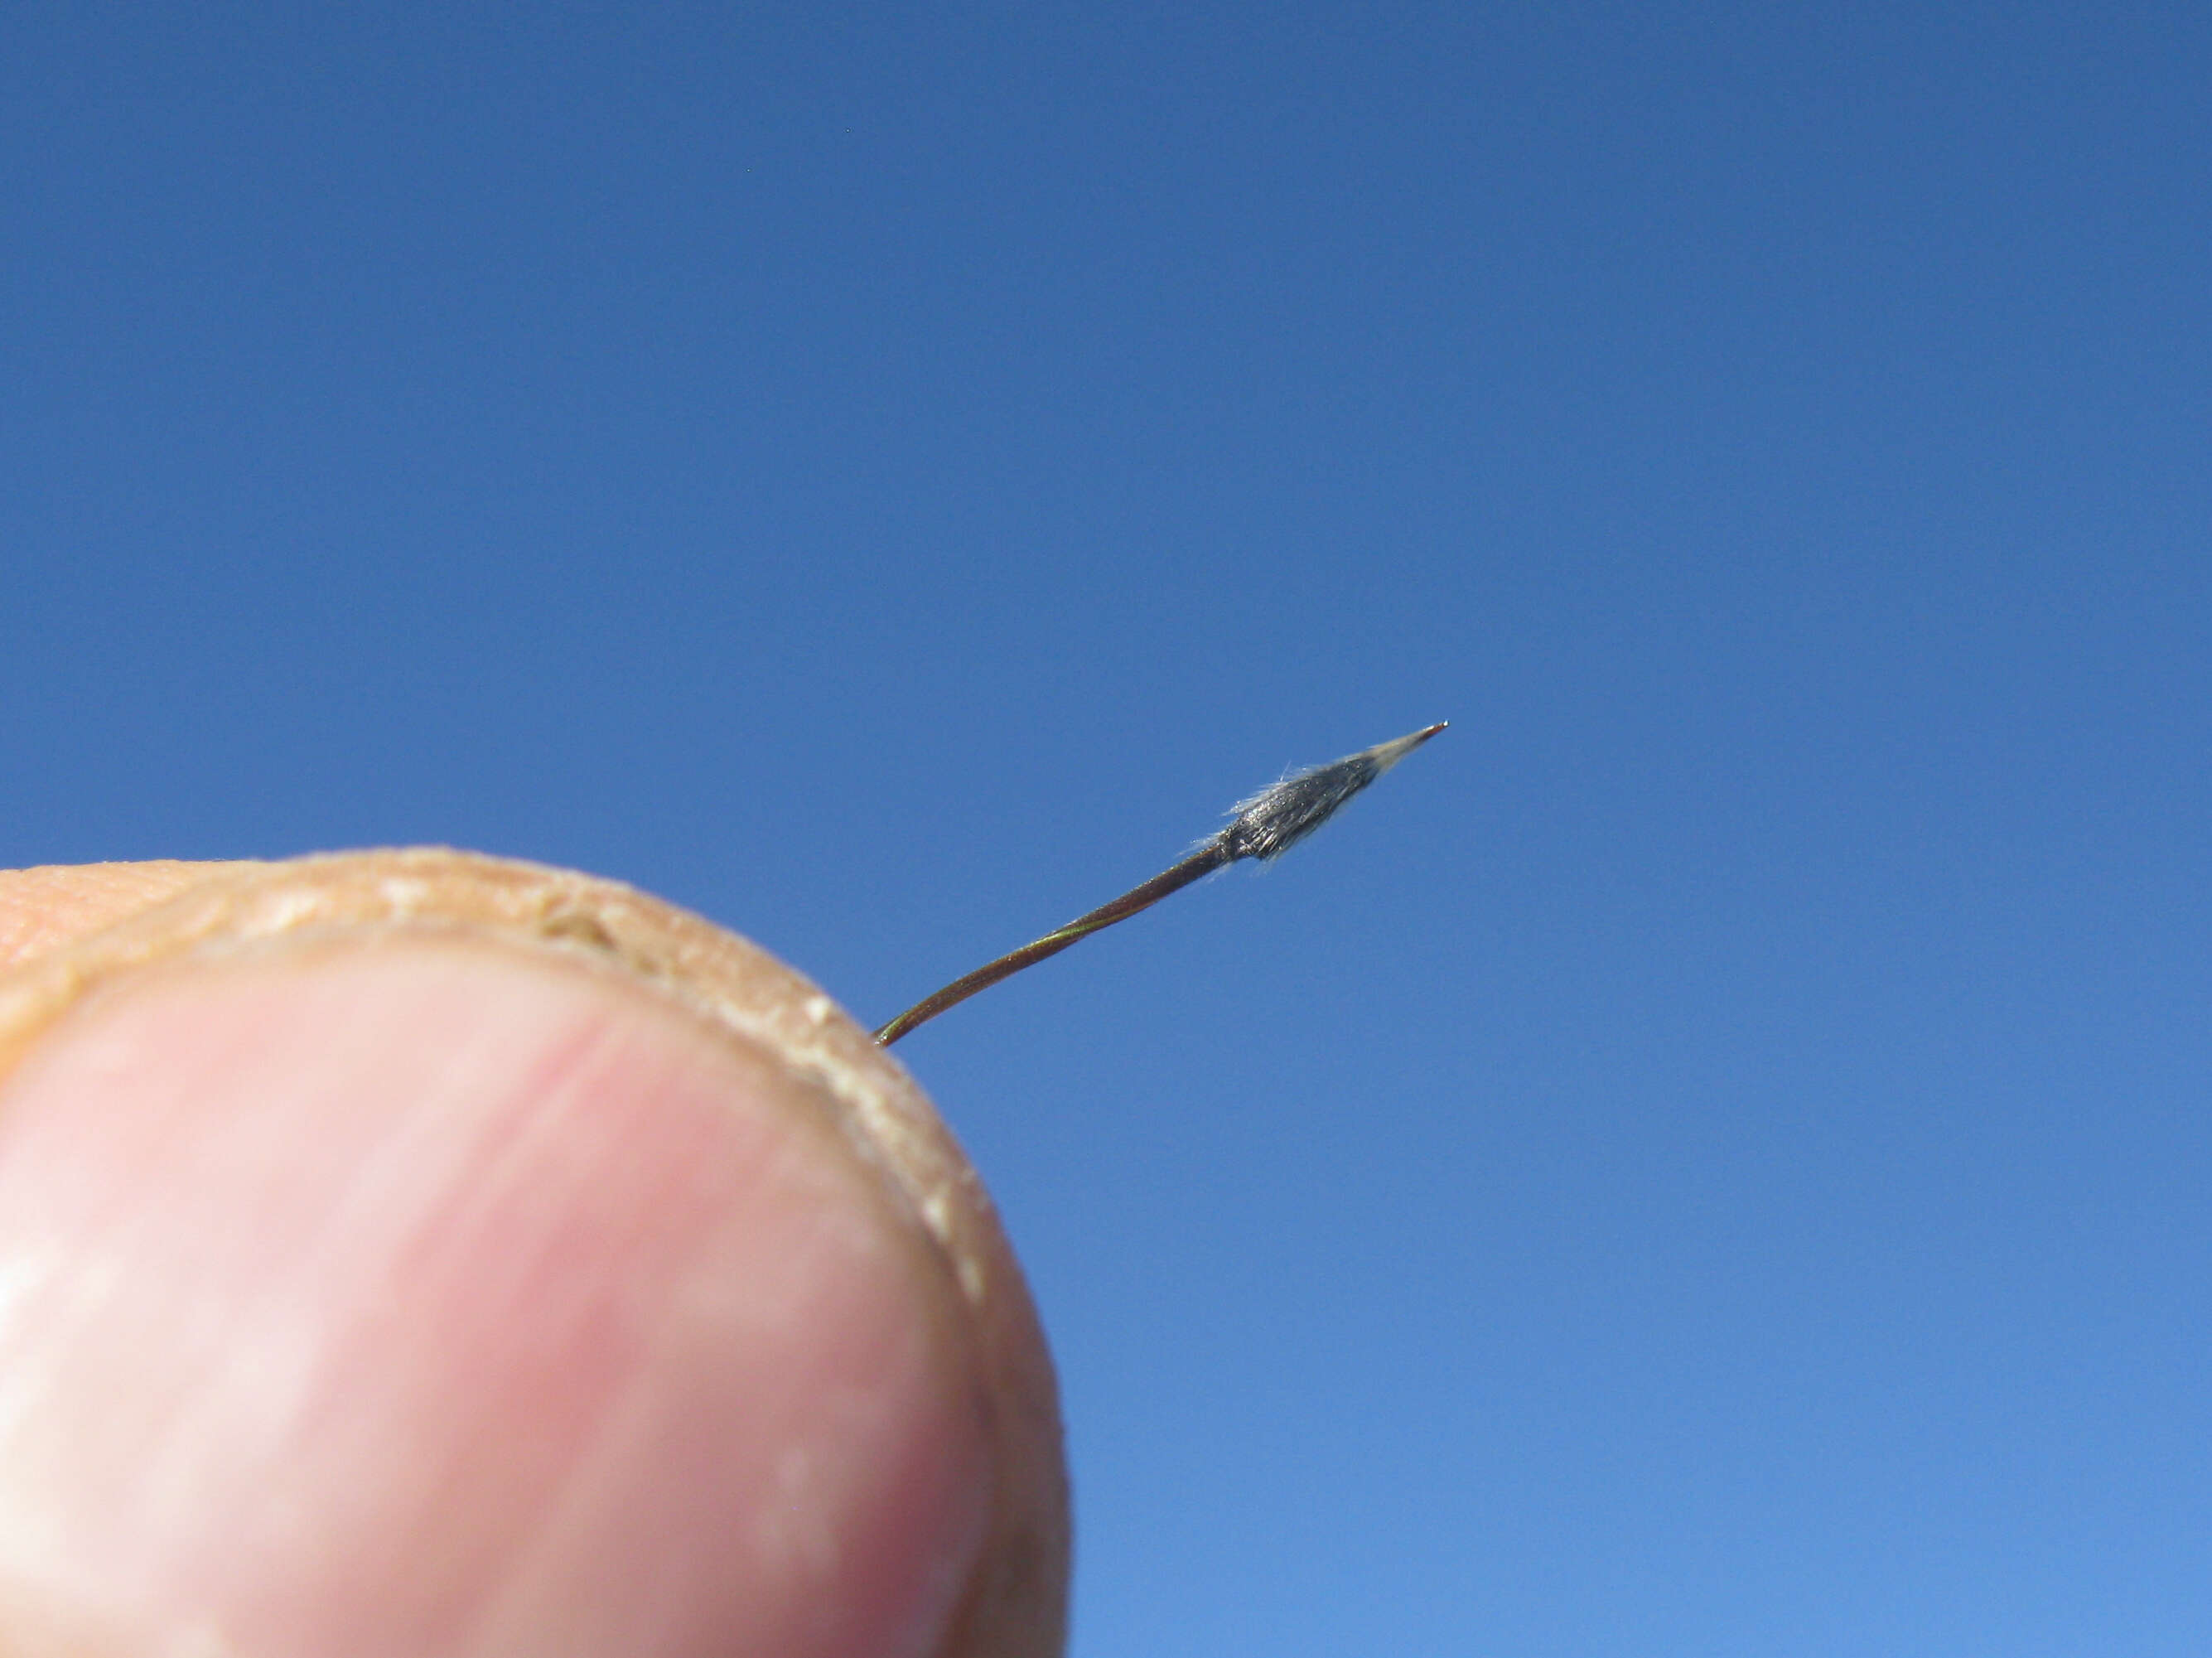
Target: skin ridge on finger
[[49, 905], [1015, 1605]]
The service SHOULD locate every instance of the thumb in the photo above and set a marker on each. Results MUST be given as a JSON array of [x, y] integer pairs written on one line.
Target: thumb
[[412, 1252]]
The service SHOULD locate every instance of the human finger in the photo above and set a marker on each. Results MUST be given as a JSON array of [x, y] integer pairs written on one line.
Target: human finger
[[411, 1252]]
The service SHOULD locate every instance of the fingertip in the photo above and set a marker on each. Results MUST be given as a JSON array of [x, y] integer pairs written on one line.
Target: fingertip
[[403, 1290]]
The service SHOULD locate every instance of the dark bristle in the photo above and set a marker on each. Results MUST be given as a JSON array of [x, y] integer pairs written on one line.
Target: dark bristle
[[1267, 826]]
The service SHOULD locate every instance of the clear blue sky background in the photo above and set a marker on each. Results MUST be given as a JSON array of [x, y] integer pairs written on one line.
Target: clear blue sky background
[[1713, 1156]]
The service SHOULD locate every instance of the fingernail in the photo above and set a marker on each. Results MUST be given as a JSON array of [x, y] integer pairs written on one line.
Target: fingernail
[[423, 1295]]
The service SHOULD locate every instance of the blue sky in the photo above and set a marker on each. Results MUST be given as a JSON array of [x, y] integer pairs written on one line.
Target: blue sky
[[1711, 1158]]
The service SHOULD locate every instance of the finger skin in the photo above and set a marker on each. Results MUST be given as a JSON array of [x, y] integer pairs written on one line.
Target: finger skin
[[412, 1252], [45, 908]]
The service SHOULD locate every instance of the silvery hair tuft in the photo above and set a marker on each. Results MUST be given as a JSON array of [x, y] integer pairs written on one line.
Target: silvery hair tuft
[[1279, 816], [1276, 818]]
